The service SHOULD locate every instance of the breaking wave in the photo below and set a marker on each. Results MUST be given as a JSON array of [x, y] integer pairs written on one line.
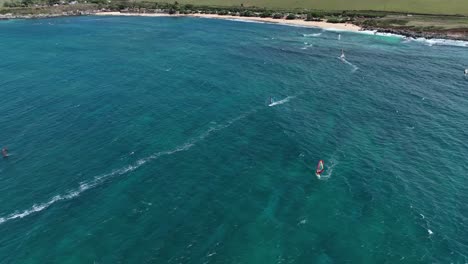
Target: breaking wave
[[441, 42], [426, 41], [312, 35], [374, 32]]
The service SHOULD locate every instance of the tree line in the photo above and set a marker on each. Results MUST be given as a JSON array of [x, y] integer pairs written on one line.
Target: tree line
[[177, 8]]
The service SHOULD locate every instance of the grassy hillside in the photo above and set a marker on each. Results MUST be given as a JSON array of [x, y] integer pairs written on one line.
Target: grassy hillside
[[441, 22], [413, 6]]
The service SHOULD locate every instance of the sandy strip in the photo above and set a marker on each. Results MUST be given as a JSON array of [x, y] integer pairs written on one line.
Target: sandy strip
[[298, 22]]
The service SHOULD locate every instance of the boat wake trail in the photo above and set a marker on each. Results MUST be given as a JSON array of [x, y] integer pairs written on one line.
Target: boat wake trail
[[285, 100], [98, 180], [355, 68]]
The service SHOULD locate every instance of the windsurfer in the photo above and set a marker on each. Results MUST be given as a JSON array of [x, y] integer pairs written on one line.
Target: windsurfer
[[342, 57], [320, 168]]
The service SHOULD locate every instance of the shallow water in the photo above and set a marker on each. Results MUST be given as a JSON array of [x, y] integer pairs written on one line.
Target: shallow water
[[153, 140]]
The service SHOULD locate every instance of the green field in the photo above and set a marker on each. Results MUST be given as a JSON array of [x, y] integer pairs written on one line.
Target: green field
[[442, 22], [442, 7], [414, 6]]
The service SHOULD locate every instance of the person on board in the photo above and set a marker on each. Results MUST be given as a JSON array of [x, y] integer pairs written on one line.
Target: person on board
[[320, 168], [342, 54]]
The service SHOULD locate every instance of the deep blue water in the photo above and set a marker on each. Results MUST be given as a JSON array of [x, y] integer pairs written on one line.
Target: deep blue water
[[150, 140]]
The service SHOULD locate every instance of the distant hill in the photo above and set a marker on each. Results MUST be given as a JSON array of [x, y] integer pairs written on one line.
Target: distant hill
[[413, 6]]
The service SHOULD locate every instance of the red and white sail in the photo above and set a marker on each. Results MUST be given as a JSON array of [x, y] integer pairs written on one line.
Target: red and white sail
[[320, 167]]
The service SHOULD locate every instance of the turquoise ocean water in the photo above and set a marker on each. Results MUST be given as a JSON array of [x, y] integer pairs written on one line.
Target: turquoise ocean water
[[150, 140]]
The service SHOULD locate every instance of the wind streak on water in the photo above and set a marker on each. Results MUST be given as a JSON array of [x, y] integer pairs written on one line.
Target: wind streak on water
[[97, 180]]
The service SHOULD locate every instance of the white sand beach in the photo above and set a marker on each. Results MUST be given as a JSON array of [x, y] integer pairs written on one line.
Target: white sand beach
[[296, 22]]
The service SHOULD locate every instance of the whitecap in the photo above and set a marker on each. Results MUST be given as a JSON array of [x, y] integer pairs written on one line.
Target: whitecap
[[312, 35], [246, 20], [440, 42], [306, 45], [374, 32]]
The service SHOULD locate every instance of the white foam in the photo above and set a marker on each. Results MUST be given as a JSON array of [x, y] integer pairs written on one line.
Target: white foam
[[336, 30], [306, 46], [246, 20], [390, 35], [312, 35], [97, 180], [441, 42], [374, 32], [355, 68], [428, 42], [146, 203], [260, 22], [285, 100]]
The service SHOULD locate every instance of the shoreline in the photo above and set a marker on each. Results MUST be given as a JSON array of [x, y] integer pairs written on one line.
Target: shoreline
[[296, 22], [459, 37]]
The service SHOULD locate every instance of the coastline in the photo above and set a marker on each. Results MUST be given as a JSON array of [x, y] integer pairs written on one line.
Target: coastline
[[456, 36], [296, 22]]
